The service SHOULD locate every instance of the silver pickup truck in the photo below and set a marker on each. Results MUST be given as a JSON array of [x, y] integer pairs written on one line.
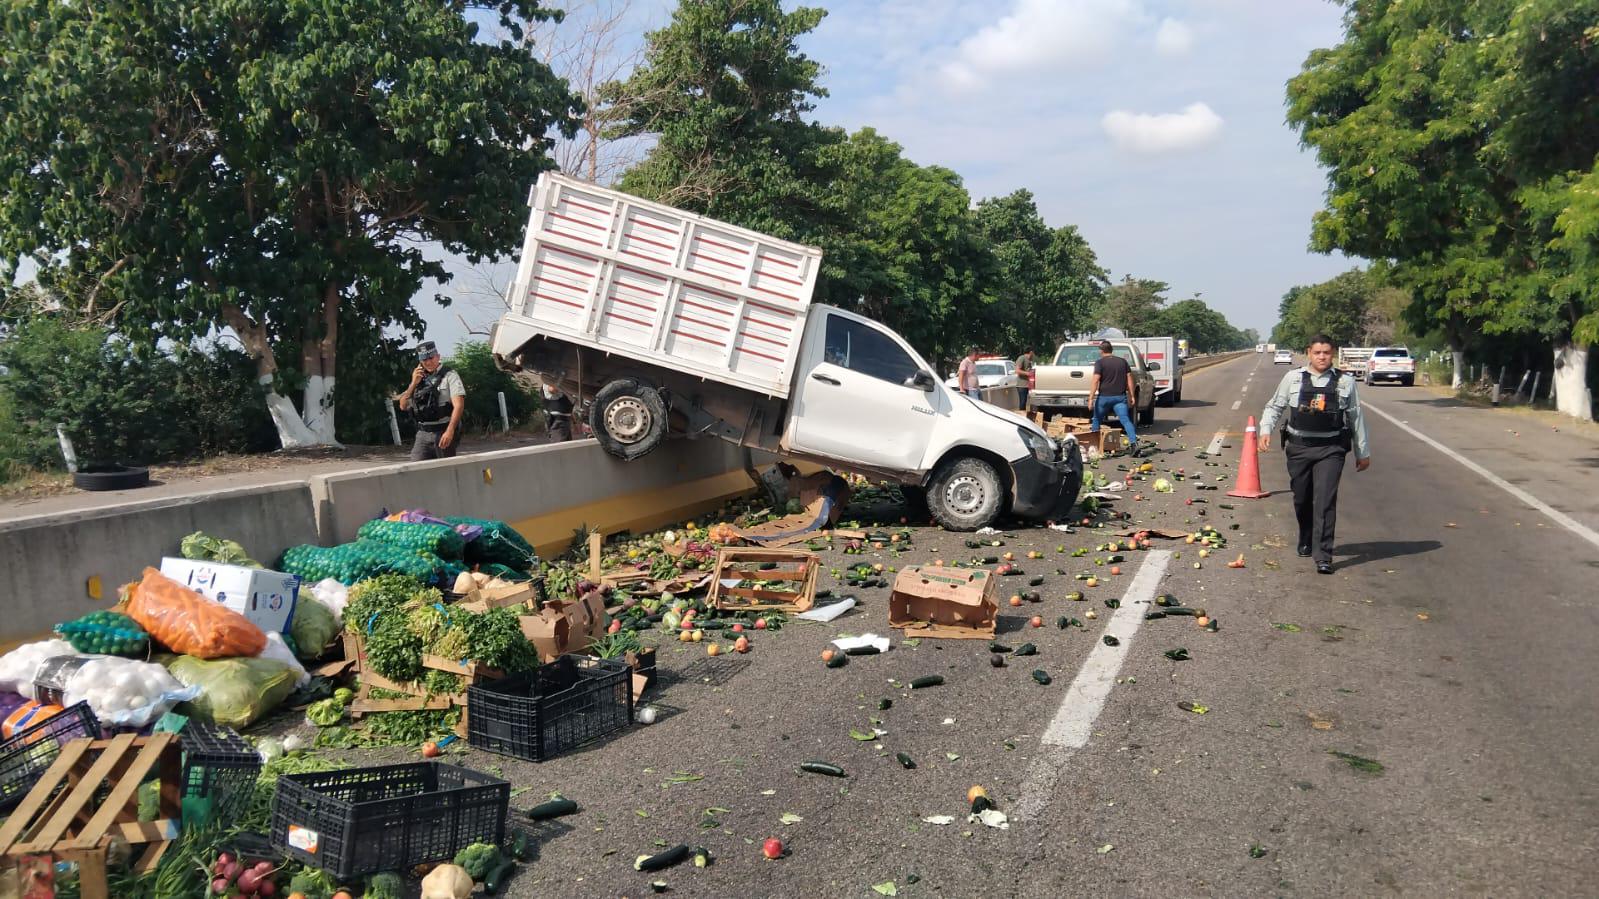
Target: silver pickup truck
[[1062, 386]]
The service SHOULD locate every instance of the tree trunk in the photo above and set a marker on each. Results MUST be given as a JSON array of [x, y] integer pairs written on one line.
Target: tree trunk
[[1570, 381], [320, 358], [293, 432], [1459, 357]]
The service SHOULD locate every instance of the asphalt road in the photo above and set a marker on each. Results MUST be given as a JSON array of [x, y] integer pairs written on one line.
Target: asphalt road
[[1449, 660]]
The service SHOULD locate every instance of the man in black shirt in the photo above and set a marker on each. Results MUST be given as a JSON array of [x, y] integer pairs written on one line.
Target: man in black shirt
[[1111, 391]]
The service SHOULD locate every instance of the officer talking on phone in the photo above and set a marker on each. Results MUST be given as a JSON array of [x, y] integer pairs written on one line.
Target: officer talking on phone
[[1324, 424], [437, 400]]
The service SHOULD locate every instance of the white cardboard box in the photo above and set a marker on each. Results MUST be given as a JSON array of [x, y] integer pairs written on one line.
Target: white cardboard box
[[265, 597]]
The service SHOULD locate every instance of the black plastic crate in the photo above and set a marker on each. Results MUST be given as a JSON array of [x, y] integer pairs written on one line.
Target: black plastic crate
[[386, 818], [28, 754], [219, 772], [561, 706]]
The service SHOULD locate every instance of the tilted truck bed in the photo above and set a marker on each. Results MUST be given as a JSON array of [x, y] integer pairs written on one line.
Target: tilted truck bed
[[606, 270]]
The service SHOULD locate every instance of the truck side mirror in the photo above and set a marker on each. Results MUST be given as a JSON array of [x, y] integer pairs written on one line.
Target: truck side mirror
[[923, 380], [1154, 366]]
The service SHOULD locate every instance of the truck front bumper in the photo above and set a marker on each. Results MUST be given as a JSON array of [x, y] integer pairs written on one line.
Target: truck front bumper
[[1040, 489]]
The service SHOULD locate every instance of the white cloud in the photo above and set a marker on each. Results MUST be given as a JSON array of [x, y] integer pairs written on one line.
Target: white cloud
[[1042, 35], [1139, 132], [1173, 38]]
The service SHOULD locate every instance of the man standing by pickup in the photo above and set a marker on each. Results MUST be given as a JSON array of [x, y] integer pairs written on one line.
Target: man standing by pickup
[[1324, 423], [437, 399], [1112, 390], [966, 375]]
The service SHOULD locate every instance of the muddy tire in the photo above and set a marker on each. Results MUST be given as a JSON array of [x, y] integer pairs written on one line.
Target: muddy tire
[[110, 477], [965, 495], [628, 418]]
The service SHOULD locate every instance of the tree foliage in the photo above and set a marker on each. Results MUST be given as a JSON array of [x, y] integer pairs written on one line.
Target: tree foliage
[[268, 165]]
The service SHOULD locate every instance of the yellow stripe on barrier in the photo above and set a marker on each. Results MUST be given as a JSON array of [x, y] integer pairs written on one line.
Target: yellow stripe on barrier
[[551, 532]]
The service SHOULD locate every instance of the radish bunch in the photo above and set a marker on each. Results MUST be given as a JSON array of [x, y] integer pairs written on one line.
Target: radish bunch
[[230, 878]]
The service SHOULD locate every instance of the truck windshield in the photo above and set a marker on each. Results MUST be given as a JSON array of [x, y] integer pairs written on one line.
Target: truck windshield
[[867, 350], [1088, 355]]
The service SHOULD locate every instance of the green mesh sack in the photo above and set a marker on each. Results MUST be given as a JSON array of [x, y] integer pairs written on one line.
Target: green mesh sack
[[439, 539], [352, 562], [499, 544]]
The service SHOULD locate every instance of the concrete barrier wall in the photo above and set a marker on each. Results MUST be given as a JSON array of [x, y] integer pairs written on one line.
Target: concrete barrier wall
[[59, 566]]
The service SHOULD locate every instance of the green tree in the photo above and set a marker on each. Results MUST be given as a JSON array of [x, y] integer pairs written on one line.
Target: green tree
[[1046, 282], [274, 166], [484, 382], [1134, 305], [1206, 330]]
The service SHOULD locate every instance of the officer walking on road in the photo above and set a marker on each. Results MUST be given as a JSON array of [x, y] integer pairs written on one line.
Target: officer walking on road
[[1324, 424], [437, 400]]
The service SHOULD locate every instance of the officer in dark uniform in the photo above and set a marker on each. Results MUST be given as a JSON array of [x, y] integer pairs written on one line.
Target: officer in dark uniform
[[437, 400], [557, 414], [1324, 424]]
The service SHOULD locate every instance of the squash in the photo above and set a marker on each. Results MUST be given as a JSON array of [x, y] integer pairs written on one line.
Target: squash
[[447, 882]]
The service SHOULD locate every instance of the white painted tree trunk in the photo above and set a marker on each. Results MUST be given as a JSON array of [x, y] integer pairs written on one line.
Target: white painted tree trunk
[[1459, 357], [318, 409], [292, 430], [1570, 382]]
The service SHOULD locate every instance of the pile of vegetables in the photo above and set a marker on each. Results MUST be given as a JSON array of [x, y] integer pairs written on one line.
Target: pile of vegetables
[[106, 633], [400, 619], [231, 878]]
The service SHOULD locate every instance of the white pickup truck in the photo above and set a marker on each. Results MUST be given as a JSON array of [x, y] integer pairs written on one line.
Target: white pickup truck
[[656, 320], [1353, 359], [1391, 363]]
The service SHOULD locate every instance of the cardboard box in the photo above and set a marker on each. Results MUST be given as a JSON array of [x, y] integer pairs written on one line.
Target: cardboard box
[[946, 603], [485, 598], [566, 627], [265, 597]]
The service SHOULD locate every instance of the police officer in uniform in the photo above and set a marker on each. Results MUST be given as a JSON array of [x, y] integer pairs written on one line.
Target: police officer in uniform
[[437, 400], [557, 414], [1324, 424]]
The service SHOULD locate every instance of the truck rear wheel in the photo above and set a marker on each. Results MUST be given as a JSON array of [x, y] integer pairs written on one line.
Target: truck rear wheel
[[965, 495], [628, 418], [1147, 416]]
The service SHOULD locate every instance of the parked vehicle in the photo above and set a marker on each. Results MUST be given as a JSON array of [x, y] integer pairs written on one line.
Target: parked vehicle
[[1282, 357], [1168, 355], [1260, 348], [1391, 363], [1353, 359], [659, 321], [1063, 385], [991, 372]]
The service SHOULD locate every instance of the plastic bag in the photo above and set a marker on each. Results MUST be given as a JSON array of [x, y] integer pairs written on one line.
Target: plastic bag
[[314, 628], [232, 692], [278, 651], [188, 623], [125, 692], [18, 666], [107, 633], [333, 594]]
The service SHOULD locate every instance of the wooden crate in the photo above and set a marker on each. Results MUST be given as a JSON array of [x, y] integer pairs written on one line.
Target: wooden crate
[[799, 568], [416, 698], [59, 818]]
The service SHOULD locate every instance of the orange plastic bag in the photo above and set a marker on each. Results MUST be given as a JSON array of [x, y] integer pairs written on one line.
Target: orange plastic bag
[[188, 623]]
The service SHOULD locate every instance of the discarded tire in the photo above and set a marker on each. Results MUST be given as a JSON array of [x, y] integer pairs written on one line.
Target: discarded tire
[[110, 477]]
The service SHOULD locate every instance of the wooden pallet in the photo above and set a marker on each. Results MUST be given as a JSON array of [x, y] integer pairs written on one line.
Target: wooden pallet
[[60, 819], [416, 698], [799, 568]]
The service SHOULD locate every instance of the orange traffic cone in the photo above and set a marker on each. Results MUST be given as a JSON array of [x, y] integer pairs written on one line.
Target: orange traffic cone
[[1248, 486]]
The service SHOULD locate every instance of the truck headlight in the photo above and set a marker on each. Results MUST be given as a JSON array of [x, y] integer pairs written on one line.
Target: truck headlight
[[1042, 448]]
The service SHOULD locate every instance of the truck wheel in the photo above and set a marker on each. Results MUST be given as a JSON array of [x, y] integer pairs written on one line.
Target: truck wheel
[[1169, 398], [915, 503], [1408, 380], [1177, 396], [965, 495], [1147, 416], [628, 418]]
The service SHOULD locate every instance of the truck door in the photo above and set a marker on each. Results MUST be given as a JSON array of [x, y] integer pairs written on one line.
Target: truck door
[[856, 399]]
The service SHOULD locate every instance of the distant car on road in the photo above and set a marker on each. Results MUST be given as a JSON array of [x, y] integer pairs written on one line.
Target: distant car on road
[[991, 373], [1391, 363], [1260, 348], [1283, 357]]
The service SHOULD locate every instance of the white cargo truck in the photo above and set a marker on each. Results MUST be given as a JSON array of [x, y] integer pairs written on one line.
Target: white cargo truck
[[657, 321], [1164, 356]]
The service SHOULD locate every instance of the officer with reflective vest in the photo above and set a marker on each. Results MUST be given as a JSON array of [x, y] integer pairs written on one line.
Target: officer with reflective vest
[[1323, 424], [437, 400]]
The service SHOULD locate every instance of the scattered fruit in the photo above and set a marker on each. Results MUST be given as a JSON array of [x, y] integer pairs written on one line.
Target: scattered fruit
[[1015, 600], [713, 649], [1090, 614], [738, 628], [760, 624], [1037, 621], [772, 848], [1115, 569], [742, 644], [976, 791], [430, 750], [827, 654], [1202, 620], [1091, 582]]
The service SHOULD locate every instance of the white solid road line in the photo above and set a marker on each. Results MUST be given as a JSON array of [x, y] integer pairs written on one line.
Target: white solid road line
[[1236, 404], [1559, 517], [1215, 443], [1073, 724]]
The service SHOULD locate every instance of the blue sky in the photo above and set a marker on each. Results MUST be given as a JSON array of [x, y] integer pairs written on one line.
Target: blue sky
[[1155, 126]]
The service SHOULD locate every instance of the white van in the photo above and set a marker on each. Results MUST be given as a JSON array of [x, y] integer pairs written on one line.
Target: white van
[[658, 321]]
